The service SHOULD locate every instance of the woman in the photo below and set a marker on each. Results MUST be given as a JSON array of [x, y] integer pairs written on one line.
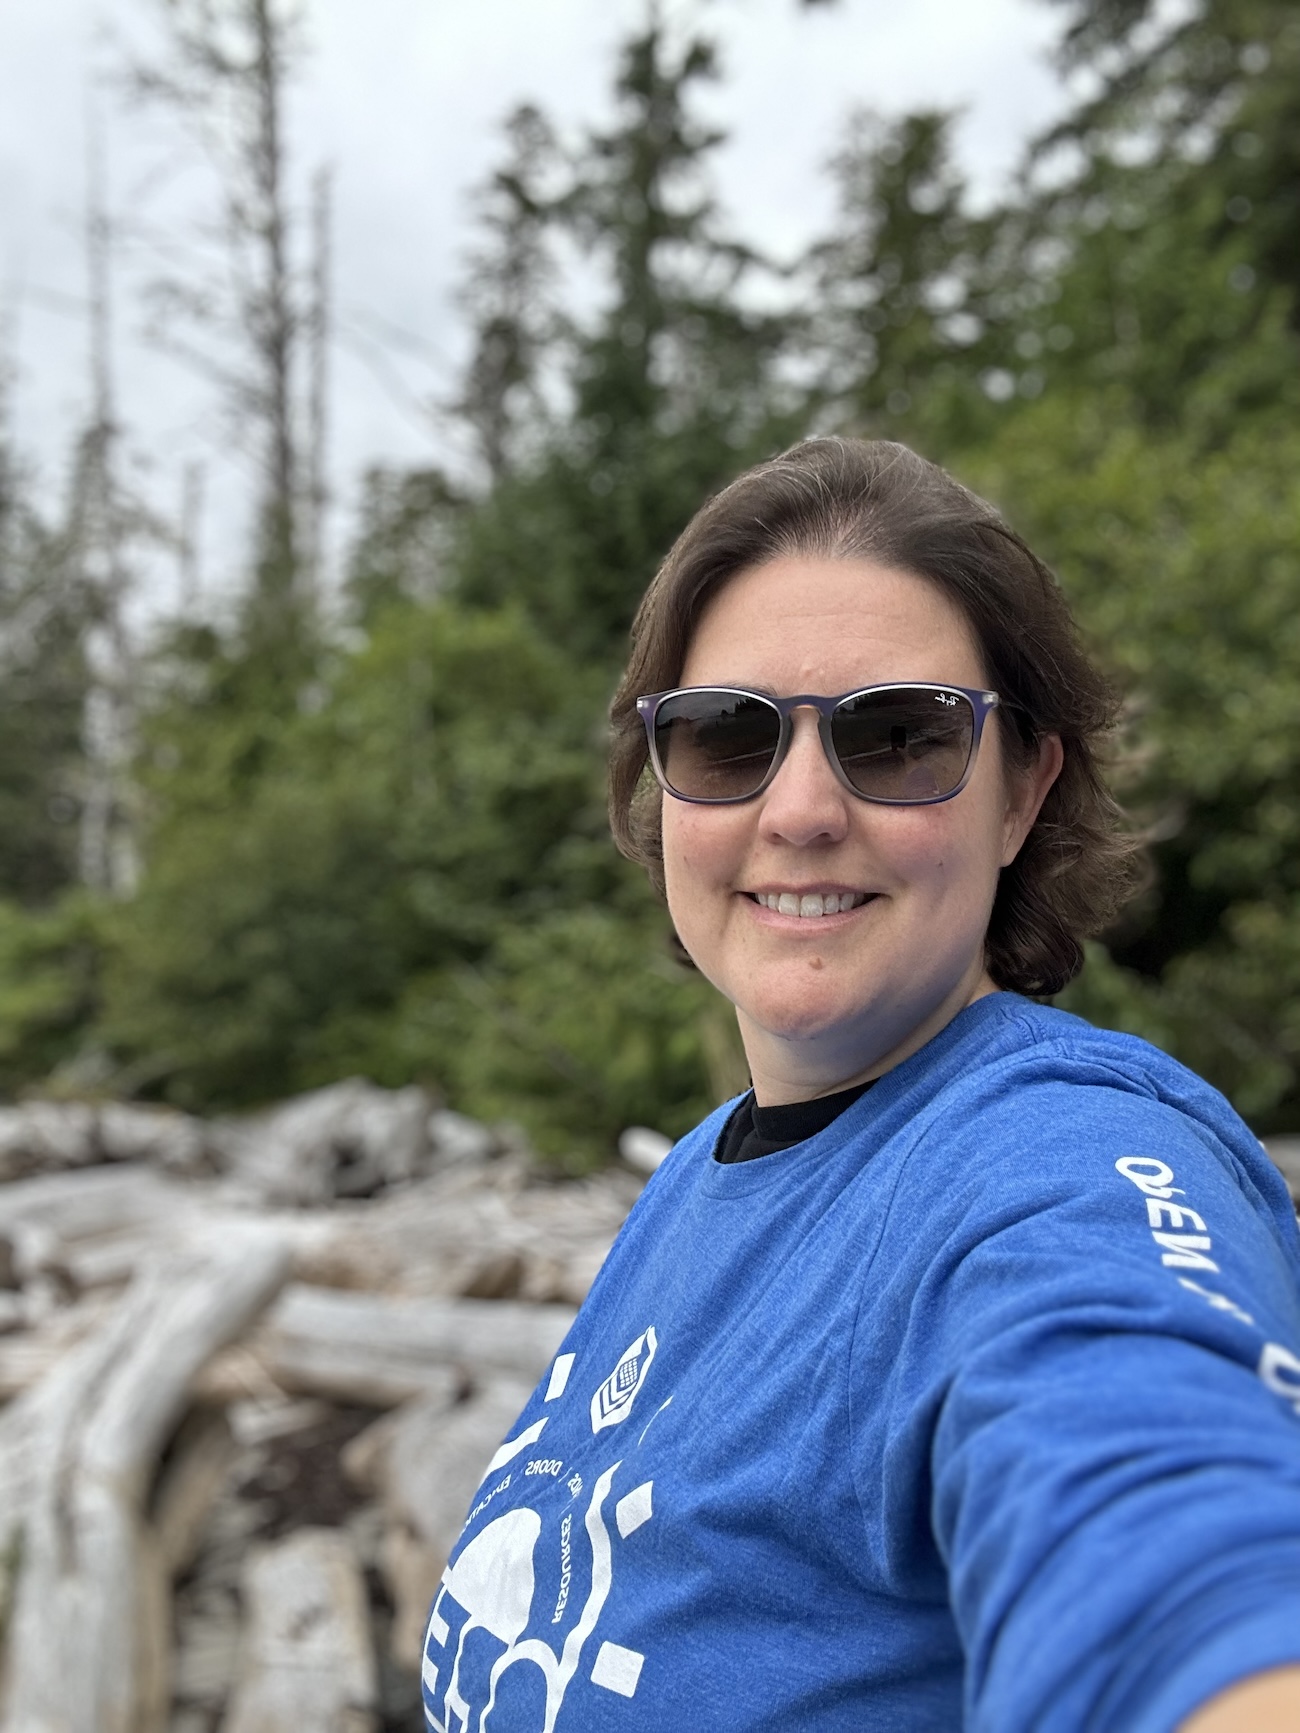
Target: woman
[[948, 1377]]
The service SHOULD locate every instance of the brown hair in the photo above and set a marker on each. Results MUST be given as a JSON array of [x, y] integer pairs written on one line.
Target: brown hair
[[854, 499]]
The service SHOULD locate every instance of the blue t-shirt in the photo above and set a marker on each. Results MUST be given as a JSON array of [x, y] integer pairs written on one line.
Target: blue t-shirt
[[979, 1408]]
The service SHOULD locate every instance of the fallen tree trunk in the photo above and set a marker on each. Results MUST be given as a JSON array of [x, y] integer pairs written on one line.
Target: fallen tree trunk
[[45, 1136], [347, 1140], [28, 1356], [89, 1630], [201, 1460], [370, 1349]]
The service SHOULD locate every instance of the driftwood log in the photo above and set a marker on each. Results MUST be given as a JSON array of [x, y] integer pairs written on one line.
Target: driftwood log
[[373, 1349], [425, 1461], [307, 1661], [46, 1136], [88, 1626], [349, 1140]]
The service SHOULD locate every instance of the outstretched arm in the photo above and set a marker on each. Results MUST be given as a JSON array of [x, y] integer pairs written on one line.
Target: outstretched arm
[[1116, 1484], [1268, 1703]]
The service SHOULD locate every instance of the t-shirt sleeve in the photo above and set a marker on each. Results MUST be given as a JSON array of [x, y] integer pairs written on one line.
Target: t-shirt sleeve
[[1092, 1395]]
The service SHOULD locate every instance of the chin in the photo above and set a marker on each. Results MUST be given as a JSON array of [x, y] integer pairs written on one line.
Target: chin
[[805, 1017]]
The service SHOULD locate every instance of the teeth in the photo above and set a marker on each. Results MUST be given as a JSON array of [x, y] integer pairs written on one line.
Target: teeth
[[811, 907]]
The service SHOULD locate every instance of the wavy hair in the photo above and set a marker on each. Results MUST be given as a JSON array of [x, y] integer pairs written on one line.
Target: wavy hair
[[855, 499]]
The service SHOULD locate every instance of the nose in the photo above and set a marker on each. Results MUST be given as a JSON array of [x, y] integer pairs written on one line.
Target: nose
[[805, 803]]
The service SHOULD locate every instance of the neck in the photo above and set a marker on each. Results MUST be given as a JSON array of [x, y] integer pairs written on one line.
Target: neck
[[786, 1069]]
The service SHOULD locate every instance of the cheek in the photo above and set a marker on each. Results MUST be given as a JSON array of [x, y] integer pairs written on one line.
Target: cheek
[[705, 855], [695, 856], [945, 852], [914, 847]]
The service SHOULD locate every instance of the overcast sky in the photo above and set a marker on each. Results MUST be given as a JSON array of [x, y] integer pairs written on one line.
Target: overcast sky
[[404, 100]]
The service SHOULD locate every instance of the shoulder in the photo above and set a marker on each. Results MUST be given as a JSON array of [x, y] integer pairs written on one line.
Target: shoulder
[[1033, 1107], [1022, 1040], [1042, 1073]]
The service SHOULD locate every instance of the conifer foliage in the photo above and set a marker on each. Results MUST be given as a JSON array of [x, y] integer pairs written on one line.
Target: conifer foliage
[[379, 846]]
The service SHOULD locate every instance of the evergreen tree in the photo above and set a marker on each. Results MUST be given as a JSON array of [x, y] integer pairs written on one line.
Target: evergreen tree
[[1158, 469], [1220, 89], [1180, 219], [670, 386], [404, 545], [507, 297], [45, 613], [50, 942], [387, 853], [895, 288]]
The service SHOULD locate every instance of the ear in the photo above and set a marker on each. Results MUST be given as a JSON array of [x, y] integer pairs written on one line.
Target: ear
[[1026, 791]]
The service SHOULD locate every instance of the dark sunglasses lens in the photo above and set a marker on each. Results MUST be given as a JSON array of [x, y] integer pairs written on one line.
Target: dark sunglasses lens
[[716, 745], [909, 744]]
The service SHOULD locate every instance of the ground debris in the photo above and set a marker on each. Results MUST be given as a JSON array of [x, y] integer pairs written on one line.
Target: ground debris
[[252, 1373]]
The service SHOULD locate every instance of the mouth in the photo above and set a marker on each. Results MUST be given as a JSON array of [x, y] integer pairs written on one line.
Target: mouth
[[810, 905]]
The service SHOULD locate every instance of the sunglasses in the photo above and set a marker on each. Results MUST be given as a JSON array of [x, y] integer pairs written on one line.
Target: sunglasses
[[901, 745]]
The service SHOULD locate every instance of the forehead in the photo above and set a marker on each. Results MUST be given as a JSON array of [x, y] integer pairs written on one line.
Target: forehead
[[808, 623]]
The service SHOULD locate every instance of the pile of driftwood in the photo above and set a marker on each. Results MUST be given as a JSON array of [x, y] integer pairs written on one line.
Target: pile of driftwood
[[252, 1372]]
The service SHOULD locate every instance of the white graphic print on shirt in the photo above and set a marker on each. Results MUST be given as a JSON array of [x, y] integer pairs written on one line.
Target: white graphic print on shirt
[[613, 1401], [490, 1610]]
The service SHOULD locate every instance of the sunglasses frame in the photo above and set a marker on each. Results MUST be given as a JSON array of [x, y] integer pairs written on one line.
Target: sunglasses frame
[[981, 703]]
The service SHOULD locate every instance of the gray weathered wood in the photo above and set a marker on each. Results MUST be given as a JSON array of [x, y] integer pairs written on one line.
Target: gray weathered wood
[[94, 1227], [189, 1486], [39, 1135], [643, 1149], [344, 1141], [46, 1136], [426, 1462], [461, 1230], [88, 1634], [436, 1277], [434, 1461], [69, 1206], [306, 1663], [29, 1355], [370, 1348]]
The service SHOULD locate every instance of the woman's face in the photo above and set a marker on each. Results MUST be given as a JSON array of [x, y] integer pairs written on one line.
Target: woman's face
[[825, 1001]]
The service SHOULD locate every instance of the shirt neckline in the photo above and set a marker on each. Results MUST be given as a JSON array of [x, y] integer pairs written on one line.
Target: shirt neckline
[[740, 1178]]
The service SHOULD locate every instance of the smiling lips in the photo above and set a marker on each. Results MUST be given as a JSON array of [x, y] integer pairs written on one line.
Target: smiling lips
[[809, 905]]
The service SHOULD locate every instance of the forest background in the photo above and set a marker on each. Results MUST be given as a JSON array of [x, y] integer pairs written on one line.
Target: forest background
[[361, 830]]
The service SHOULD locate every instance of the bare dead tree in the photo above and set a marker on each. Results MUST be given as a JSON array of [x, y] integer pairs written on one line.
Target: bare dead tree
[[258, 325], [188, 552], [102, 521], [318, 361], [8, 465]]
